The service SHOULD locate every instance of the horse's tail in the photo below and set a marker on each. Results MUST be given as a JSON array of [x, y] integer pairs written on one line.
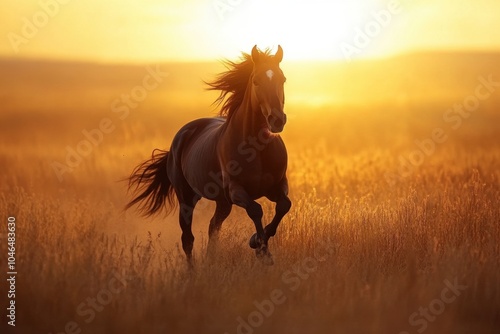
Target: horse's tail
[[152, 188]]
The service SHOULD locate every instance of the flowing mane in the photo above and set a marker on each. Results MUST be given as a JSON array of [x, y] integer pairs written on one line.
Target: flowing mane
[[233, 82]]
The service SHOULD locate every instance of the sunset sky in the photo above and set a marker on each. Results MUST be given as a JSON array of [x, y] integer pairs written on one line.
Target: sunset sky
[[162, 30]]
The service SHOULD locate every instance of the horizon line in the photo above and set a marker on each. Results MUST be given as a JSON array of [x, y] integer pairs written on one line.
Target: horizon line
[[137, 62]]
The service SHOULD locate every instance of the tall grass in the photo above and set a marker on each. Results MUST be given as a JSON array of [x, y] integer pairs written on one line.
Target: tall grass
[[356, 254]]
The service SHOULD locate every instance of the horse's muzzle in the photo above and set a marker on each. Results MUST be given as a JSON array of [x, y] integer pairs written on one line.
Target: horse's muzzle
[[276, 123]]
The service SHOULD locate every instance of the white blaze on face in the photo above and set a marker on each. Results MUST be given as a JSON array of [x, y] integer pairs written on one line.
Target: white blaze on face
[[270, 74]]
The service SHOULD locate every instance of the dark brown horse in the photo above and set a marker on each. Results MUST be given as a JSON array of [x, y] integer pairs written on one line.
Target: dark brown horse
[[232, 159]]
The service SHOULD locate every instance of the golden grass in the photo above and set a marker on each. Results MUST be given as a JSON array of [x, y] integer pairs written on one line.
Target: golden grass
[[354, 255]]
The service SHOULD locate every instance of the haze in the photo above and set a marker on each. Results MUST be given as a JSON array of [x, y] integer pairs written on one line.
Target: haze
[[152, 30]]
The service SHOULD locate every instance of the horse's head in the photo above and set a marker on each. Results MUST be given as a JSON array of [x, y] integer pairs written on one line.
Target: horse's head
[[267, 81]]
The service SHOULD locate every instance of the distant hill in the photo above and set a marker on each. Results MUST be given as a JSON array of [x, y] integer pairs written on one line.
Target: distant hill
[[433, 76], [55, 87]]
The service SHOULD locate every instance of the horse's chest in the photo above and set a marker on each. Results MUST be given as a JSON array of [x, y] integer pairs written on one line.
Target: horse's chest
[[261, 175], [257, 169]]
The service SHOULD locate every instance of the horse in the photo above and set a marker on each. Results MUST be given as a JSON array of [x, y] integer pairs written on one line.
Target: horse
[[233, 158]]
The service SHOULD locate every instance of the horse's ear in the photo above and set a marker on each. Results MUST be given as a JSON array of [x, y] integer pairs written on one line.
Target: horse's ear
[[255, 54], [278, 57]]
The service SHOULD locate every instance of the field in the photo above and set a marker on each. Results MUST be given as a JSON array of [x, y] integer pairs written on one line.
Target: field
[[394, 228]]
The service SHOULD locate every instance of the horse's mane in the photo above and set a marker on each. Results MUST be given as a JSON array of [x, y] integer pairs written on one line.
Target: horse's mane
[[233, 82]]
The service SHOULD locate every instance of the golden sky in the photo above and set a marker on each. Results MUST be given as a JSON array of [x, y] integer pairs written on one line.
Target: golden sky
[[154, 30]]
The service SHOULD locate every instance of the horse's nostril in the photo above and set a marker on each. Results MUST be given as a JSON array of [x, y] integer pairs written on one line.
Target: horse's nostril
[[275, 121]]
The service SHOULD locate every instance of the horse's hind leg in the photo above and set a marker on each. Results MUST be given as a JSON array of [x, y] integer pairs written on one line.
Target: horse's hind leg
[[222, 210], [187, 201]]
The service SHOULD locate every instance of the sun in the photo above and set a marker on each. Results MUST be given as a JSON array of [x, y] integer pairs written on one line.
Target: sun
[[306, 30]]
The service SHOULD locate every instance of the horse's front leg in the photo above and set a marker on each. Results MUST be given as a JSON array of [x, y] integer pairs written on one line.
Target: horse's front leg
[[240, 197], [283, 205]]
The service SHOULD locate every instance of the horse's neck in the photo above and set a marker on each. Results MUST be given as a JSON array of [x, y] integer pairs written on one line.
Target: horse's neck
[[248, 119]]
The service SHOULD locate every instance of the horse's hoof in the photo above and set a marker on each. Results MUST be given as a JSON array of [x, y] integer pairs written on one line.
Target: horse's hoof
[[264, 256], [267, 260], [254, 243]]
